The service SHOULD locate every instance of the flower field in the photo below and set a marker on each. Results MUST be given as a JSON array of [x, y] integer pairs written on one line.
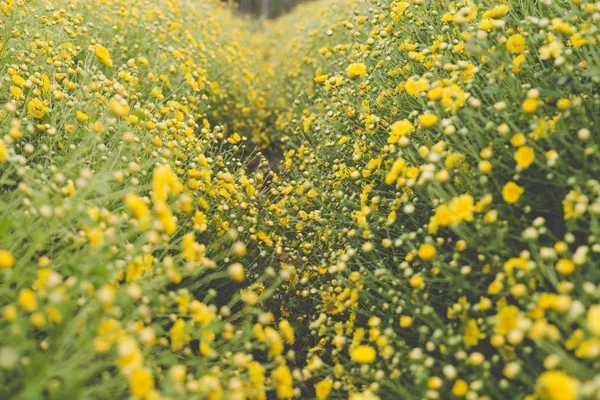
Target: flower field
[[358, 200]]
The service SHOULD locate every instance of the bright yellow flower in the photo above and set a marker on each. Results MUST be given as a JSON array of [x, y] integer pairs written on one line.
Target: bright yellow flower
[[363, 354], [103, 55], [28, 300], [236, 272], [18, 81], [141, 382], [524, 156], [557, 385], [400, 128], [36, 108], [506, 320], [426, 252], [516, 43], [81, 116], [405, 321], [416, 281], [472, 333], [356, 69], [462, 208], [511, 192], [593, 319], [323, 388], [427, 120], [565, 267], [287, 331], [563, 104], [283, 382], [6, 259], [530, 105], [118, 108], [3, 152], [460, 388]]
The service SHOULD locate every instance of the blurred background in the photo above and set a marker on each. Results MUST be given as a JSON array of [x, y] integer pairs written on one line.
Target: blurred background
[[264, 8]]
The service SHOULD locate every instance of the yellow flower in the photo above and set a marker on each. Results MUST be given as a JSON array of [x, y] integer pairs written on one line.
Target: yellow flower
[[141, 382], [565, 267], [103, 55], [363, 354], [589, 348], [518, 140], [236, 272], [323, 388], [45, 83], [118, 108], [3, 152], [36, 108], [530, 105], [97, 127], [6, 259], [556, 385], [516, 43], [577, 40], [201, 313], [593, 319], [427, 120], [413, 87], [282, 379], [10, 312], [442, 217], [200, 221], [553, 49], [460, 388], [400, 128], [157, 93], [38, 320], [461, 208], [287, 331], [417, 281], [28, 300], [356, 69], [18, 81], [524, 156], [235, 138], [507, 319], [239, 249], [511, 192], [563, 104], [138, 206], [192, 251], [405, 321], [275, 342], [395, 171], [472, 333], [520, 59], [426, 252], [178, 336], [435, 93], [81, 116], [177, 373]]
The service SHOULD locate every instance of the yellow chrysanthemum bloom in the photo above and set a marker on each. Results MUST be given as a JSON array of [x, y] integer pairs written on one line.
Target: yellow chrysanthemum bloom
[[103, 55], [355, 70], [363, 354], [511, 192]]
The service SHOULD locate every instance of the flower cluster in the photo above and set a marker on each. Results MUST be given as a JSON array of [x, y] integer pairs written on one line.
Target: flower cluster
[[445, 197], [130, 215]]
